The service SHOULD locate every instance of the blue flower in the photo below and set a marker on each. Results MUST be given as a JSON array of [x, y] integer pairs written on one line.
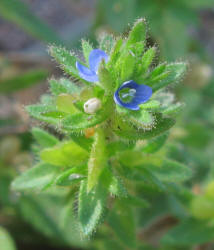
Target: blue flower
[[95, 58], [130, 94]]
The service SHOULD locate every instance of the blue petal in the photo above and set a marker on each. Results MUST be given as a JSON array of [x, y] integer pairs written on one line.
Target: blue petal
[[86, 73], [95, 58], [143, 93]]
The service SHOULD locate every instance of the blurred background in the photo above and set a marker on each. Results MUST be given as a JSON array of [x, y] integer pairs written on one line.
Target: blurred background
[[183, 30]]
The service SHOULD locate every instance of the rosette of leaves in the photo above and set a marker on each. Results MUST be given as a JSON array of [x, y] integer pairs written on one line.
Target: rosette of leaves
[[108, 154]]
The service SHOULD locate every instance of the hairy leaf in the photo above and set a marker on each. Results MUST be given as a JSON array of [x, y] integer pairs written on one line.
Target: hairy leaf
[[65, 154], [44, 138], [39, 177], [91, 205]]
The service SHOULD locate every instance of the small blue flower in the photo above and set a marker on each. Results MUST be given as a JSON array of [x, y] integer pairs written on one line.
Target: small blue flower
[[130, 94], [95, 58]]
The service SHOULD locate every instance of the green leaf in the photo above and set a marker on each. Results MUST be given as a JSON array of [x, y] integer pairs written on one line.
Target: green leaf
[[71, 176], [22, 81], [92, 205], [151, 104], [105, 78], [115, 53], [44, 138], [106, 42], [97, 159], [65, 103], [82, 141], [65, 154], [121, 220], [53, 216], [147, 179], [172, 171], [173, 109], [45, 113], [143, 119], [126, 129], [19, 13], [189, 232], [39, 177], [6, 240], [176, 72], [63, 86], [137, 33], [146, 61], [86, 48], [78, 122], [155, 144], [131, 158], [66, 59], [157, 71], [117, 146], [117, 188], [127, 64], [135, 201]]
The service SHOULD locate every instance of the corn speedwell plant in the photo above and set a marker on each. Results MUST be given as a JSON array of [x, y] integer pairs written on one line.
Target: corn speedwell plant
[[113, 122]]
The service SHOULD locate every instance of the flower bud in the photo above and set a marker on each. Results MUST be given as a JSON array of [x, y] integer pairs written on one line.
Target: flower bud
[[92, 105]]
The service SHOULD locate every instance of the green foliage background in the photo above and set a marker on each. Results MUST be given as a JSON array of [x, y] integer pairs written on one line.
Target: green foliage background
[[166, 214]]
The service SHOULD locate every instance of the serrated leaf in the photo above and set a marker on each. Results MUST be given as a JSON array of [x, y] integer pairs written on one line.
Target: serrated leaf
[[86, 48], [65, 154], [91, 206], [176, 72], [97, 159], [37, 178], [137, 33], [172, 171], [189, 232], [6, 240], [63, 86], [66, 59], [44, 138]]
